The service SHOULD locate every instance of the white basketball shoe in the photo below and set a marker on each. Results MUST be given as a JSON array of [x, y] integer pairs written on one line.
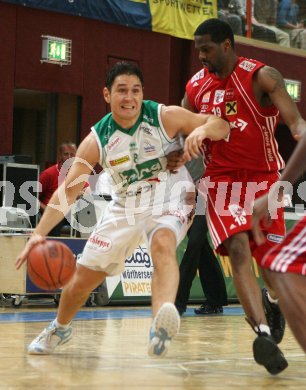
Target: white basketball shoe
[[49, 339], [165, 326]]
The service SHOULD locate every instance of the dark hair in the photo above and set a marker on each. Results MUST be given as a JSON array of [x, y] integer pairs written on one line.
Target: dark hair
[[218, 30], [120, 68]]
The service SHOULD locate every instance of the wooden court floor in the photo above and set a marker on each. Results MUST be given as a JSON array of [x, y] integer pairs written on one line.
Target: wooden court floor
[[108, 351]]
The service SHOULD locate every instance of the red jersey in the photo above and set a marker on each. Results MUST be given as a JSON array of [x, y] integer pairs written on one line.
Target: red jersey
[[251, 144], [289, 255], [49, 180]]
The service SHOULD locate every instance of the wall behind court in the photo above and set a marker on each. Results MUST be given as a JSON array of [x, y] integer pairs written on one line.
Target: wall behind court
[[167, 62], [94, 45]]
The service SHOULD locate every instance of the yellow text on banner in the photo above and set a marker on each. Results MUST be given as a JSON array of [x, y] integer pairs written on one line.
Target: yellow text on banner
[[180, 18], [139, 1]]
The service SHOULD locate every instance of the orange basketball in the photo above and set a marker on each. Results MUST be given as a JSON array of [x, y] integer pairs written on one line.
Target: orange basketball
[[50, 265]]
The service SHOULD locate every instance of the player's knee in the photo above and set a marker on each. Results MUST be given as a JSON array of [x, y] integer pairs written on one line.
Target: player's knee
[[163, 244], [239, 252], [163, 238], [269, 278], [80, 285], [76, 287]]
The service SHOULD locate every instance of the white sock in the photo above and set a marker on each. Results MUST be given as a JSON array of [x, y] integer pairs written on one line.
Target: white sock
[[264, 329], [272, 300], [58, 325]]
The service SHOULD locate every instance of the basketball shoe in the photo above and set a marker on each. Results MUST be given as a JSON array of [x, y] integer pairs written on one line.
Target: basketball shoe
[[267, 354], [275, 319], [164, 327], [49, 339], [207, 309]]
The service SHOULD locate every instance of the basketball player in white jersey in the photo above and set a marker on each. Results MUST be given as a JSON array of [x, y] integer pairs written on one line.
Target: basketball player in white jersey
[[130, 143]]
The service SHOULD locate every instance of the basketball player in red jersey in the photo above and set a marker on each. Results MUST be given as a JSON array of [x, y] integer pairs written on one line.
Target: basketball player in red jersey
[[285, 265], [250, 96]]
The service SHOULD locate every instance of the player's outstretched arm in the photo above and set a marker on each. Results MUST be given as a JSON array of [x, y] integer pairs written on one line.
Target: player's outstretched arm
[[196, 127], [270, 82], [86, 158]]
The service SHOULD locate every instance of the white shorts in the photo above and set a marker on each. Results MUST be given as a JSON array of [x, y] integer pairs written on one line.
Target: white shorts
[[115, 238]]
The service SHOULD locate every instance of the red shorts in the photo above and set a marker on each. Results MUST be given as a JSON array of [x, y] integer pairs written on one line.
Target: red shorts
[[230, 198], [290, 255]]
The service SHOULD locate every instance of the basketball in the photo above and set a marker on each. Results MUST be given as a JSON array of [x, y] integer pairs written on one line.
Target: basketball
[[50, 265]]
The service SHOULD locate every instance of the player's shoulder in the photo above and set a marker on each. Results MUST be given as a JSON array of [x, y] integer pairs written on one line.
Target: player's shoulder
[[197, 79], [249, 65]]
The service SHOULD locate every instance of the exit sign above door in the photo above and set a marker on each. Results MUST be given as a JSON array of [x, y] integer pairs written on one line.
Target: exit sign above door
[[56, 50]]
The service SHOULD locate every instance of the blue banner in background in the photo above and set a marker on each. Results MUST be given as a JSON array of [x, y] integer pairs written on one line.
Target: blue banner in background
[[130, 13], [179, 18]]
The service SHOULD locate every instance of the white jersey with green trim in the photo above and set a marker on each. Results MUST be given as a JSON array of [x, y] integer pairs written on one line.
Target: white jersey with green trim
[[134, 158]]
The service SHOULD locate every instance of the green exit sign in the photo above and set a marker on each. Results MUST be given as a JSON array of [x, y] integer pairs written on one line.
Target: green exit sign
[[56, 50], [294, 89]]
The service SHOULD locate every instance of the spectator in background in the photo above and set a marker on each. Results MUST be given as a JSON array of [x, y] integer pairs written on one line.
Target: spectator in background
[[288, 21], [259, 31], [232, 19], [298, 37], [52, 177], [265, 13]]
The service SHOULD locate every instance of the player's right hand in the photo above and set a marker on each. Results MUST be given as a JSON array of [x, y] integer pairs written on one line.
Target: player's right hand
[[33, 240], [193, 143], [175, 160]]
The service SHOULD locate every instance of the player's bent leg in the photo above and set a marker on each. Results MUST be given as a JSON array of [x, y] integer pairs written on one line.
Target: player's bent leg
[[275, 318], [291, 291], [265, 349], [74, 295], [246, 285]]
